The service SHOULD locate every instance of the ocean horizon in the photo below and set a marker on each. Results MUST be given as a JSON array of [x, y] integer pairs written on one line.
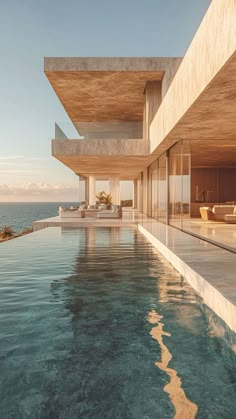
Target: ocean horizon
[[21, 215]]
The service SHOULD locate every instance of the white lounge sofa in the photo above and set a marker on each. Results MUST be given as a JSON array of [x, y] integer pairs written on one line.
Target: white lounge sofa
[[231, 218], [71, 213], [114, 212], [218, 213]]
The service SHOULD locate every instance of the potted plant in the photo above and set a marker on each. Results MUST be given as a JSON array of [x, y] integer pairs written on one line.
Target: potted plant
[[104, 199]]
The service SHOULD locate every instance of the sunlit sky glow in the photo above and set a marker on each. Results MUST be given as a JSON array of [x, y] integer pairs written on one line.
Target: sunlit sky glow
[[32, 29]]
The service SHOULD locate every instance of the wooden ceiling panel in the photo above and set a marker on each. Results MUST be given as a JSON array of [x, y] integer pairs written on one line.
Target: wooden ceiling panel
[[102, 95]]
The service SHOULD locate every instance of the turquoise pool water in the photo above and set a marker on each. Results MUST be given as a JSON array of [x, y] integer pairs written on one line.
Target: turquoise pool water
[[95, 324]]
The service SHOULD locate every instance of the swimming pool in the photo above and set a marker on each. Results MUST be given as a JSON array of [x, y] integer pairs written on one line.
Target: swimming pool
[[94, 323]]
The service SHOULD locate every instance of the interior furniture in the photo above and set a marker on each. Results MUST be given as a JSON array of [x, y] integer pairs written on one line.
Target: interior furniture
[[114, 212], [207, 214], [231, 218], [217, 213], [91, 212], [71, 213], [195, 207]]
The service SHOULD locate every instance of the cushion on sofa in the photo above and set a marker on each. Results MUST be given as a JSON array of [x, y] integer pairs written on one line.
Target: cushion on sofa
[[102, 207], [223, 209]]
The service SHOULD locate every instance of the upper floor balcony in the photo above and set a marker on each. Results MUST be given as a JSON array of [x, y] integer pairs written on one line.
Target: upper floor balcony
[[126, 157]]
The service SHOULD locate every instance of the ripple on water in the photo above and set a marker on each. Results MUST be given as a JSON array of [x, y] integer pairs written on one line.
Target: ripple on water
[[94, 323]]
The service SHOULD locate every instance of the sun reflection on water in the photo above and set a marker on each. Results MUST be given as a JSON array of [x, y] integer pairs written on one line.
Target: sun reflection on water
[[184, 408]]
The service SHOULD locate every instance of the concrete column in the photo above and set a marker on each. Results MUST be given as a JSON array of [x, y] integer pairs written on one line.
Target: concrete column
[[92, 190], [114, 183], [135, 186], [152, 103], [86, 191]]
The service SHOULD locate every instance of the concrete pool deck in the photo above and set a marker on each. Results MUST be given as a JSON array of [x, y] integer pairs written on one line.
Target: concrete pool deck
[[209, 269]]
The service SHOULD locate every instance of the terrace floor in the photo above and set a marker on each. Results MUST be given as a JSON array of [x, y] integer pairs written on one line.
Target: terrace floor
[[217, 232], [130, 216]]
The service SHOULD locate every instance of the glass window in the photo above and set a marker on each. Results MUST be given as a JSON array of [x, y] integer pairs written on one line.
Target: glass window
[[162, 189], [179, 184], [154, 183], [175, 185]]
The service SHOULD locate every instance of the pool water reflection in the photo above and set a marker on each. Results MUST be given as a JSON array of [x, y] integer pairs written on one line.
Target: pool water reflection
[[94, 323]]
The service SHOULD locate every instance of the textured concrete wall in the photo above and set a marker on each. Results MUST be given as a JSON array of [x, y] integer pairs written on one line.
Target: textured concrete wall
[[152, 103], [211, 48], [99, 147], [107, 63], [169, 75]]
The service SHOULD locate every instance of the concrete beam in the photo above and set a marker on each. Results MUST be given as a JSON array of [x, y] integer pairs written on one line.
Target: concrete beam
[[125, 158]]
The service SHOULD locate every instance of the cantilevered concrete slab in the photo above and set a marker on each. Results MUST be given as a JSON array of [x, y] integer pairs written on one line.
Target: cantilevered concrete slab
[[106, 89], [200, 102], [126, 158]]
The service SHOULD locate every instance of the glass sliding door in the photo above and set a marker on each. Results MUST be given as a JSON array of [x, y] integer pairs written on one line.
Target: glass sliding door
[[152, 190], [162, 189], [175, 185], [169, 186], [154, 177], [186, 183], [149, 183], [179, 184]]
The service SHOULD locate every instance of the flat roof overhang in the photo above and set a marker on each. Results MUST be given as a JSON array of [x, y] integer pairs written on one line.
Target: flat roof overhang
[[126, 167], [200, 103], [126, 158], [104, 89], [210, 122]]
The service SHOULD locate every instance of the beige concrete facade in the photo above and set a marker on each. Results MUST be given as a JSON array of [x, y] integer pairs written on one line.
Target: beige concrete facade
[[201, 96], [168, 96], [131, 111]]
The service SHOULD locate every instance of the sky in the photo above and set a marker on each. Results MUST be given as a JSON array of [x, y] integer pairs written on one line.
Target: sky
[[29, 108]]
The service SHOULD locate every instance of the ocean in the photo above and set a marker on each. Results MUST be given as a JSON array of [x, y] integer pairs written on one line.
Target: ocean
[[20, 215]]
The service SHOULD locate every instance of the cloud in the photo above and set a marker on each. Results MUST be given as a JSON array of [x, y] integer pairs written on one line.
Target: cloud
[[38, 158], [17, 171], [24, 158], [39, 188], [11, 157], [21, 162]]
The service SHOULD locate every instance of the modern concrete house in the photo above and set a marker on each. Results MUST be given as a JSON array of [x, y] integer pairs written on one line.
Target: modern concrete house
[[111, 102], [167, 124], [131, 316]]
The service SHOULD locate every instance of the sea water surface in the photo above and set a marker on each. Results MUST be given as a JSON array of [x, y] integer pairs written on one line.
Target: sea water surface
[[20, 215], [94, 323]]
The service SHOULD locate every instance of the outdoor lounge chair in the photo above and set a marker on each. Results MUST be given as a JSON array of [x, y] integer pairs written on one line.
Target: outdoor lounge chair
[[114, 212]]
